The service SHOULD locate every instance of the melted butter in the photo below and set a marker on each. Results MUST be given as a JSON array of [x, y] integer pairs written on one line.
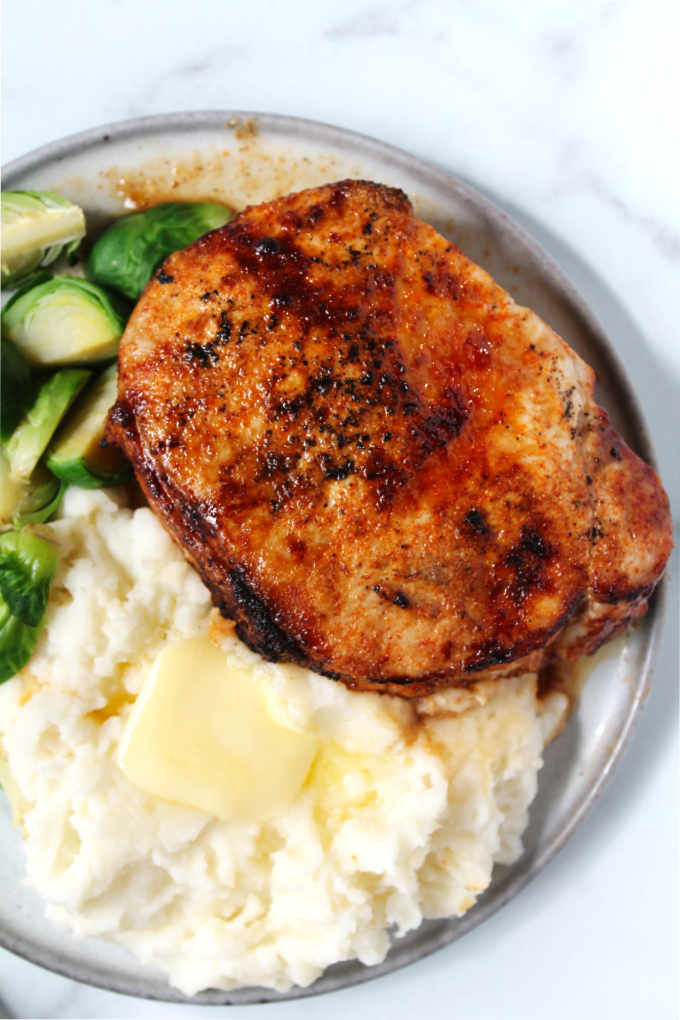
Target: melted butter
[[29, 687], [200, 734], [341, 783], [118, 700], [335, 764]]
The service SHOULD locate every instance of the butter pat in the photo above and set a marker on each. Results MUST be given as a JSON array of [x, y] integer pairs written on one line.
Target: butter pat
[[200, 734]]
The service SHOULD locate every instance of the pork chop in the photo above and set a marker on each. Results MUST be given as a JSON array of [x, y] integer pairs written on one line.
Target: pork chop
[[383, 468]]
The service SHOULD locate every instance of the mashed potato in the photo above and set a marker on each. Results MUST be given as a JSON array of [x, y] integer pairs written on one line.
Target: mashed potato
[[403, 815]]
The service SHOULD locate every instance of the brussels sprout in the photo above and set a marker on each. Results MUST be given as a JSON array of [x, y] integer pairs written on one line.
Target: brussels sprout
[[40, 499], [63, 321], [31, 500], [27, 565], [17, 641], [76, 454], [128, 253], [16, 387], [12, 490], [27, 443], [37, 227]]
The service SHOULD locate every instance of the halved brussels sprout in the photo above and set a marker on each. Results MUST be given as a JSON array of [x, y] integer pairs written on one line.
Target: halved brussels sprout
[[31, 500], [17, 641], [16, 387], [27, 566], [76, 454], [63, 321], [40, 499], [12, 490], [131, 249], [26, 445], [37, 227]]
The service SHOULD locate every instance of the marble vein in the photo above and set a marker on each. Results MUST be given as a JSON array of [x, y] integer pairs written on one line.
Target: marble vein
[[372, 22], [665, 239]]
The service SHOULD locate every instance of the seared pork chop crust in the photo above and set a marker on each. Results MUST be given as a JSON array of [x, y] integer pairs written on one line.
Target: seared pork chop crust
[[383, 468]]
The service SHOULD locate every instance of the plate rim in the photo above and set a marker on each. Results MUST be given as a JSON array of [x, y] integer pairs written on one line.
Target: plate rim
[[318, 131]]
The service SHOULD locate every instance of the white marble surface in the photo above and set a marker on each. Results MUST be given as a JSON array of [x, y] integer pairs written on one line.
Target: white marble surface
[[566, 113]]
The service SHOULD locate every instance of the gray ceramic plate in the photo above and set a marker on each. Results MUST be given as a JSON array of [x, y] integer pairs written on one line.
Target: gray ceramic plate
[[243, 158]]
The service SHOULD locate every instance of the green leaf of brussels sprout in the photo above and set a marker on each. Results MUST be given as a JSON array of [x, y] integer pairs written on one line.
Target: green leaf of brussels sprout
[[37, 227], [17, 641], [39, 499], [27, 566], [26, 445], [78, 454], [12, 489], [31, 500], [16, 387], [131, 249]]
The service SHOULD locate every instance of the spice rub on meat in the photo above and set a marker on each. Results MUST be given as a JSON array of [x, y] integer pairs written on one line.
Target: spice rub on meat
[[383, 468]]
